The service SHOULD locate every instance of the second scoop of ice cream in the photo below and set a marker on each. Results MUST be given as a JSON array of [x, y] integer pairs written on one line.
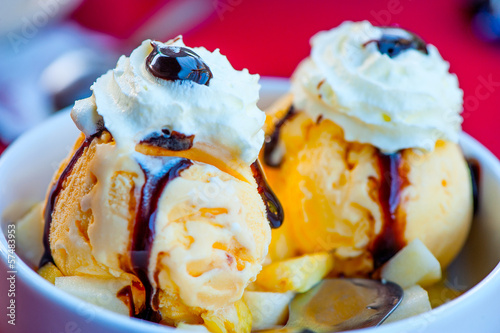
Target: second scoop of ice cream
[[363, 153]]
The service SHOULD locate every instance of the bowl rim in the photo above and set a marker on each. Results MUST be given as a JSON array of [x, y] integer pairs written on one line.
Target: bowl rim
[[106, 317]]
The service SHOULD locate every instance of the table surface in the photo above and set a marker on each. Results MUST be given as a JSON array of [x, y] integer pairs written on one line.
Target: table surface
[[272, 37]]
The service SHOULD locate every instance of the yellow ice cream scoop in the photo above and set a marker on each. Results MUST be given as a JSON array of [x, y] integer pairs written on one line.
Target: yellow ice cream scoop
[[363, 152], [364, 205]]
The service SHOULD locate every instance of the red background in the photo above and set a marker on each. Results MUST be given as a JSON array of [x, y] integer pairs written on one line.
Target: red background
[[271, 37]]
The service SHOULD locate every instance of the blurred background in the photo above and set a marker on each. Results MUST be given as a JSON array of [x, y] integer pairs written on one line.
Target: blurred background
[[51, 51]]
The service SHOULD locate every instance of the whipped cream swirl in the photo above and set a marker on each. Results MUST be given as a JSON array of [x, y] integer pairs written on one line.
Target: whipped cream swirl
[[408, 101], [132, 104]]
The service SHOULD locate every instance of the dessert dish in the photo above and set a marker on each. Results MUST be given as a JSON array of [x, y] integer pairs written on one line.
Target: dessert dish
[[163, 207], [363, 152], [162, 202]]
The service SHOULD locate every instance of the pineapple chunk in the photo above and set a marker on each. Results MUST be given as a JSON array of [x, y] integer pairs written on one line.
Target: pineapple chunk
[[50, 272], [194, 328], [297, 274], [268, 309], [29, 231], [98, 291], [174, 312], [414, 264], [232, 319], [415, 301]]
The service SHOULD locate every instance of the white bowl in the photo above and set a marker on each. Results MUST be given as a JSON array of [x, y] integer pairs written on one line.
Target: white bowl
[[27, 166]]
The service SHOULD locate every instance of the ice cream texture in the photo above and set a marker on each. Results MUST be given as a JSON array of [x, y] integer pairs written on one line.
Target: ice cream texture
[[159, 190], [363, 152]]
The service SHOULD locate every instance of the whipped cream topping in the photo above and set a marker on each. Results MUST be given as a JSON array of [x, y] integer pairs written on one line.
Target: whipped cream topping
[[133, 104], [408, 101]]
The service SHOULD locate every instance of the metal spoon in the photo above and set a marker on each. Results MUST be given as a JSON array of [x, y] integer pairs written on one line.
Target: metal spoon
[[336, 305]]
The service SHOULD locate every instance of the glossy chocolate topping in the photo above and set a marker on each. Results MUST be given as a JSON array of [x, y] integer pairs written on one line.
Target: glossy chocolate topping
[[275, 214], [397, 40], [272, 141], [169, 140], [177, 63], [392, 180]]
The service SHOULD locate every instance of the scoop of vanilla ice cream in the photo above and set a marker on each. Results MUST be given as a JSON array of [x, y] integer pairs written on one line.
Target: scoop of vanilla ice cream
[[204, 224], [209, 241], [438, 204], [330, 189], [407, 101]]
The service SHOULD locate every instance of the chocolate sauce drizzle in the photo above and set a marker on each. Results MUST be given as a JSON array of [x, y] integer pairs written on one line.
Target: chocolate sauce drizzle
[[51, 199], [174, 140], [272, 140], [158, 172], [275, 214], [475, 174], [391, 239]]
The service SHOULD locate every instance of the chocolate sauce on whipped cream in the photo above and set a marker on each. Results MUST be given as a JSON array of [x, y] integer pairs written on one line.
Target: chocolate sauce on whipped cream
[[173, 63], [158, 172], [274, 210], [174, 140], [51, 199], [392, 181], [272, 141], [397, 40]]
